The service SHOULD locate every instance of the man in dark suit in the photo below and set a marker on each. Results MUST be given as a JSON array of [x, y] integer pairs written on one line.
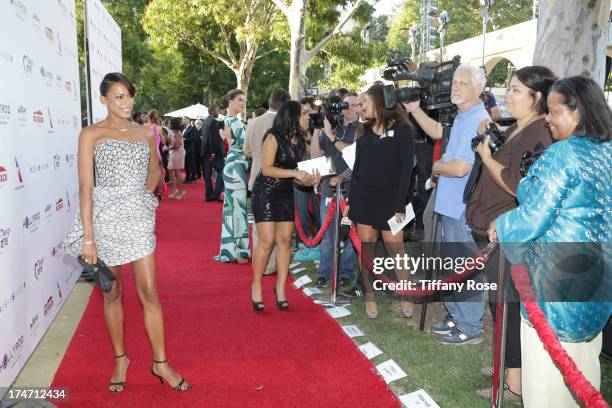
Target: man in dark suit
[[212, 155], [189, 135], [197, 149]]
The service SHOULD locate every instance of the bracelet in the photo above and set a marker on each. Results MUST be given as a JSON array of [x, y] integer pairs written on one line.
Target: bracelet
[[88, 242]]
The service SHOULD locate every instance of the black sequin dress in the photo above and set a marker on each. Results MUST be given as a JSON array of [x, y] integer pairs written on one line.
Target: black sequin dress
[[272, 198]]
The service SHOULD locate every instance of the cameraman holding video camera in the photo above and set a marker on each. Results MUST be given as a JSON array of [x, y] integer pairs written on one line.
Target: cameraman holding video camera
[[463, 324], [329, 143]]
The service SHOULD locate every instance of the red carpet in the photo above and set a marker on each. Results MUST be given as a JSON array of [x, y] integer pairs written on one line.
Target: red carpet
[[232, 356]]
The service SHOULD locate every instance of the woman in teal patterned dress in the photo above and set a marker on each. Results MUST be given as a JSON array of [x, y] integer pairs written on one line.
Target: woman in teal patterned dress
[[235, 227], [565, 200]]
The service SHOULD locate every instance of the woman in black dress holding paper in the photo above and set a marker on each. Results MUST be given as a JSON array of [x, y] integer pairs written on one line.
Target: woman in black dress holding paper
[[272, 201], [381, 178]]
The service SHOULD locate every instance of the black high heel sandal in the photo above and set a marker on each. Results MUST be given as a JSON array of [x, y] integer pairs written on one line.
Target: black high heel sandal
[[281, 305], [118, 383], [257, 306], [177, 387]]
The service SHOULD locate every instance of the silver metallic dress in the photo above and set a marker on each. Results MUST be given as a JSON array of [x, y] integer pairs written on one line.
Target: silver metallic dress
[[123, 211]]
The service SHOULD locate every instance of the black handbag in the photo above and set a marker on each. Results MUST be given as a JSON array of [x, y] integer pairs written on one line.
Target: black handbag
[[100, 273]]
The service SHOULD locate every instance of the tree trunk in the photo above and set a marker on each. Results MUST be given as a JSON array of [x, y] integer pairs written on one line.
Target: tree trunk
[[572, 37], [297, 27], [300, 57]]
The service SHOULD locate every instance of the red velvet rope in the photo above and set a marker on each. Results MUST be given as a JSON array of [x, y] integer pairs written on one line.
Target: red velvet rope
[[572, 376], [331, 209]]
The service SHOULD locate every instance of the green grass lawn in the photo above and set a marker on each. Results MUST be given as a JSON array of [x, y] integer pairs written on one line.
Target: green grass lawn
[[450, 374]]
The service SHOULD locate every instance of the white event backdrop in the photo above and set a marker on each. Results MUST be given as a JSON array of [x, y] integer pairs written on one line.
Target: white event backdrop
[[39, 128], [104, 43]]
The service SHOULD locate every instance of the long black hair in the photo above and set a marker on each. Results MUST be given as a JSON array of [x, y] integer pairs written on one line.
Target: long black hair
[[176, 124], [584, 94], [286, 123], [538, 79]]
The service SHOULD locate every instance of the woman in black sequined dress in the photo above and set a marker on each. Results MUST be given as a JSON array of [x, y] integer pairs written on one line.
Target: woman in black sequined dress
[[272, 199]]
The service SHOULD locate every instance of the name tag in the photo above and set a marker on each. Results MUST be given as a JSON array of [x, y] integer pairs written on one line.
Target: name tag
[[387, 133]]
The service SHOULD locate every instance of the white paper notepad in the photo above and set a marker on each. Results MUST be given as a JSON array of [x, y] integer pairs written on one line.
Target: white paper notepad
[[323, 164], [348, 154], [418, 399], [390, 371], [297, 270], [298, 283], [397, 227], [352, 331], [370, 350], [311, 291], [337, 312]]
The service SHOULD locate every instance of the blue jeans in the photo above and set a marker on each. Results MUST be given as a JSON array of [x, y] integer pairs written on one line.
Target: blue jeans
[[348, 256], [301, 201], [466, 308]]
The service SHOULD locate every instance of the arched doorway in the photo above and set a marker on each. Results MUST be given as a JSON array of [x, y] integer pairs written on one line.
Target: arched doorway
[[499, 71]]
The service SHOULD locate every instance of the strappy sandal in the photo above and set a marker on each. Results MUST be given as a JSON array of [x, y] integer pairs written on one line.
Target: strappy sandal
[[118, 383], [177, 387]]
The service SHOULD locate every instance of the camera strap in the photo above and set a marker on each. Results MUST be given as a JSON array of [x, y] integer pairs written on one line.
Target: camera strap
[[472, 181]]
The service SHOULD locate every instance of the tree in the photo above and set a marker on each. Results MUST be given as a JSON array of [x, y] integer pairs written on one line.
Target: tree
[[226, 30], [347, 58], [572, 37], [300, 57]]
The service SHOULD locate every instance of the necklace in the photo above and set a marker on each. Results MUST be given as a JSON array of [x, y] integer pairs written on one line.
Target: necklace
[[121, 129]]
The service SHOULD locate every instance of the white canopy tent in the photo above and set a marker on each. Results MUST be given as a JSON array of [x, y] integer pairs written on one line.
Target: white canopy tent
[[197, 111]]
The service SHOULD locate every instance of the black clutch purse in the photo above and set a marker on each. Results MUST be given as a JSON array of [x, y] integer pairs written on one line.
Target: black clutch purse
[[100, 273]]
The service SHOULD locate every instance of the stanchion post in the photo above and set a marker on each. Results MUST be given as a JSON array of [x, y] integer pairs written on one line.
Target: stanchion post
[[499, 349], [433, 250], [446, 119], [336, 225]]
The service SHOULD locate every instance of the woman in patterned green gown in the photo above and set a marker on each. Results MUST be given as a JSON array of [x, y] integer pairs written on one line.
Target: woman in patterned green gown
[[235, 227]]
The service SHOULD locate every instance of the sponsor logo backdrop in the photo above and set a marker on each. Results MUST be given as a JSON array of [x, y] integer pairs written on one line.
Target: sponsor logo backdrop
[[39, 128], [104, 41]]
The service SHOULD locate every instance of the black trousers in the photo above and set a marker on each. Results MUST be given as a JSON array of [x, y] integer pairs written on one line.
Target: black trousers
[[217, 163], [190, 166], [513, 321], [198, 161]]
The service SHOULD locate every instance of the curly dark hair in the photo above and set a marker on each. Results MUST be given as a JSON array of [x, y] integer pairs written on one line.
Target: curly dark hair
[[286, 123]]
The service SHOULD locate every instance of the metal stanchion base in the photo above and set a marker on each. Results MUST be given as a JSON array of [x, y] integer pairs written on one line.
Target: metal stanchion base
[[329, 300]]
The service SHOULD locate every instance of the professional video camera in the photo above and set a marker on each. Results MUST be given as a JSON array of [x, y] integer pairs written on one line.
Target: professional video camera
[[496, 141], [434, 80], [331, 108], [398, 69]]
